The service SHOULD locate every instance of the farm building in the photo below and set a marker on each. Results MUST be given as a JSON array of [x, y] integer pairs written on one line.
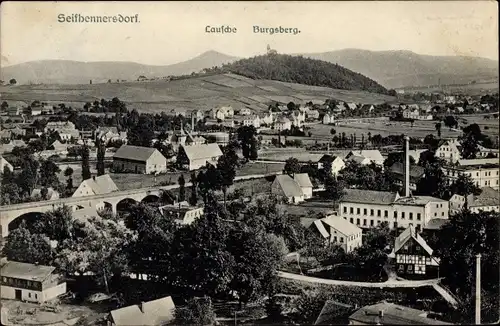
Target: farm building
[[96, 186], [197, 156], [304, 183], [29, 282], [138, 159], [285, 186], [335, 229]]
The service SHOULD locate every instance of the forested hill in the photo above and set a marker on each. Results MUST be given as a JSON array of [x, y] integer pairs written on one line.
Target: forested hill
[[298, 69]]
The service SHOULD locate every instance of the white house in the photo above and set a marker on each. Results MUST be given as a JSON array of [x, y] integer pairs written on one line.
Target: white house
[[197, 156], [487, 201], [328, 119], [218, 114], [5, 164], [335, 229], [483, 172], [448, 150], [336, 161], [51, 193], [182, 212], [298, 118], [304, 183], [351, 106], [96, 186], [371, 155], [245, 111], [285, 186], [312, 114], [282, 124], [267, 118], [29, 282], [252, 120]]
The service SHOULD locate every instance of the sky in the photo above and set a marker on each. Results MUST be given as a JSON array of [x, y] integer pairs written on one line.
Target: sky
[[171, 32]]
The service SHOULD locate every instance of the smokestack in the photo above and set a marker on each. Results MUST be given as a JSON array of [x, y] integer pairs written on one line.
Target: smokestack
[[407, 166], [478, 289]]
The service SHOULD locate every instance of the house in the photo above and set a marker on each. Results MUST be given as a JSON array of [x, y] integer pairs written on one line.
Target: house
[[312, 114], [334, 313], [7, 148], [99, 185], [86, 141], [350, 106], [30, 282], [484, 152], [304, 183], [4, 164], [158, 312], [371, 156], [138, 159], [182, 212], [227, 111], [197, 156], [367, 108], [58, 146], [415, 153], [199, 115], [16, 131], [368, 208], [335, 229], [285, 186], [385, 313], [416, 173], [252, 120], [106, 134], [14, 111], [245, 111], [282, 124], [487, 201], [448, 150], [58, 125], [218, 114], [328, 119], [52, 194], [413, 255], [298, 118], [483, 172], [267, 118], [221, 138], [337, 163], [416, 114], [459, 109]]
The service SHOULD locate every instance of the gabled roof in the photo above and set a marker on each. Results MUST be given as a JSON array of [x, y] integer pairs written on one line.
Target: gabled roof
[[152, 313], [342, 225], [358, 158], [321, 228], [416, 172], [136, 153], [303, 180], [289, 186], [202, 151], [371, 154], [410, 233], [101, 185], [369, 196], [393, 314], [331, 311], [25, 271]]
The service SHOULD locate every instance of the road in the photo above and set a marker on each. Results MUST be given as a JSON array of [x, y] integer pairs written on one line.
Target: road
[[387, 284]]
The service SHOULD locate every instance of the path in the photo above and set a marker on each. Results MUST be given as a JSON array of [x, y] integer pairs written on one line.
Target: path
[[387, 284], [446, 295]]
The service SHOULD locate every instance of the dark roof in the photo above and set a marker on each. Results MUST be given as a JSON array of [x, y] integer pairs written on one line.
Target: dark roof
[[416, 172], [25, 271], [136, 153], [332, 310], [393, 314], [369, 196]]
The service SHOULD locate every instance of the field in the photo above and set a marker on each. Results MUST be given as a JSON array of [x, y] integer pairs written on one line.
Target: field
[[188, 94]]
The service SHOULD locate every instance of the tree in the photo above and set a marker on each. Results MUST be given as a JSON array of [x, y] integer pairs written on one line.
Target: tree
[[209, 182], [438, 129], [198, 311], [434, 183], [193, 199], [226, 166], [56, 224], [464, 186], [333, 131], [450, 121], [24, 246], [397, 157], [85, 163], [264, 251], [69, 183], [9, 190], [182, 190], [292, 166], [334, 189], [466, 235], [28, 178], [246, 135], [291, 106], [101, 152], [48, 174], [12, 81], [469, 146]]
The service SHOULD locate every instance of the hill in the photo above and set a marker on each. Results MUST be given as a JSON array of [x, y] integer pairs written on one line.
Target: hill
[[201, 92], [397, 69], [77, 72], [301, 70]]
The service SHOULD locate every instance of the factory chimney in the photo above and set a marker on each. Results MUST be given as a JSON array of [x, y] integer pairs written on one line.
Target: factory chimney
[[478, 289], [407, 166]]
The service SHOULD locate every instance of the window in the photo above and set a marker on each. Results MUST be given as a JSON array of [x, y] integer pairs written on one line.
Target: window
[[417, 248], [410, 268], [364, 221], [345, 209], [395, 214], [371, 222], [364, 211], [378, 222], [418, 217], [401, 268], [358, 211], [411, 216], [437, 205], [357, 221], [378, 212], [351, 210], [435, 214], [341, 239], [442, 213], [386, 213], [351, 220], [335, 239], [402, 215], [36, 296], [371, 212]]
